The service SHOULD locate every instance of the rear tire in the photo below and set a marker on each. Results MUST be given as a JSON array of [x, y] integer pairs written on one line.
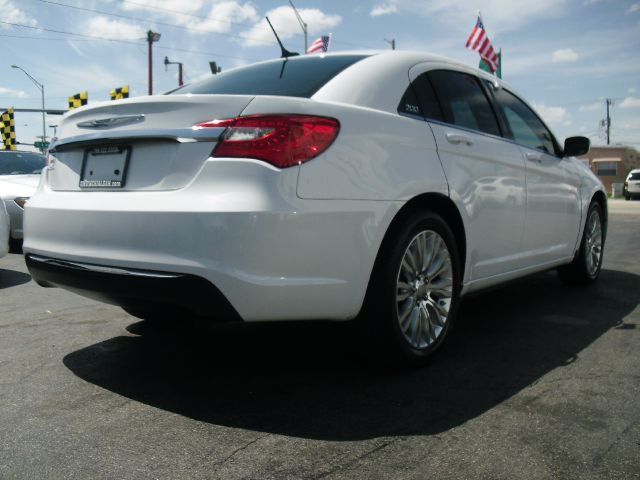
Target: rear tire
[[586, 265], [413, 297]]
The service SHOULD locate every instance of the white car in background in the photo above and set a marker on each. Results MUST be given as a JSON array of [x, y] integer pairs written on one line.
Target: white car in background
[[632, 185], [4, 230], [376, 186], [19, 177]]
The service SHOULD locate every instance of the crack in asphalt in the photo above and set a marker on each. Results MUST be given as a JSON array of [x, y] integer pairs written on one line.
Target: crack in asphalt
[[240, 449]]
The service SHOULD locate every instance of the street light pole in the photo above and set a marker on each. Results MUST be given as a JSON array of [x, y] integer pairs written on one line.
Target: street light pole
[[302, 23], [151, 37], [41, 87]]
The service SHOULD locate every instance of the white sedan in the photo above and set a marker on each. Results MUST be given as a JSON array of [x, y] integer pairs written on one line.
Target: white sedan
[[379, 187], [19, 177]]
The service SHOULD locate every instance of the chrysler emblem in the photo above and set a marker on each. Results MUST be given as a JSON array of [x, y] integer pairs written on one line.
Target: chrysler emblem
[[112, 122]]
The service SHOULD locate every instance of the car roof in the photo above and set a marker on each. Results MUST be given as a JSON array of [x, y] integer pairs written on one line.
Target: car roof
[[387, 77]]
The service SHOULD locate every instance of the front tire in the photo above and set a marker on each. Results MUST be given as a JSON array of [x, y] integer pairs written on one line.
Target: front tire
[[585, 267], [414, 293]]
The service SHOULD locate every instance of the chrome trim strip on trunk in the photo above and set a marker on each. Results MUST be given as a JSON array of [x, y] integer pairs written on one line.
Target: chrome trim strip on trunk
[[101, 269], [181, 135]]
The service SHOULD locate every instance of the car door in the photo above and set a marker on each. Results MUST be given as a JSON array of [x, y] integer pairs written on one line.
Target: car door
[[485, 173], [553, 203]]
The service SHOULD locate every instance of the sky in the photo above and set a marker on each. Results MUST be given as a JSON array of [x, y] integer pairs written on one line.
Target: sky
[[564, 56]]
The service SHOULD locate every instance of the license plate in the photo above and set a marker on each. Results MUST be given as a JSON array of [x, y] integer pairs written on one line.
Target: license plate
[[105, 167]]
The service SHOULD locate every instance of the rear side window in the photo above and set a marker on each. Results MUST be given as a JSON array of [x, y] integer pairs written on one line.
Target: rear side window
[[463, 101], [294, 77], [634, 176], [526, 128], [420, 99]]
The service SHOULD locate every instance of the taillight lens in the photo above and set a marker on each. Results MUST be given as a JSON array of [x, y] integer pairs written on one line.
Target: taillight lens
[[281, 140]]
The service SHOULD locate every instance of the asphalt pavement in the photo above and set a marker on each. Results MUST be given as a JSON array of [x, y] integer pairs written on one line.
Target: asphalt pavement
[[540, 380]]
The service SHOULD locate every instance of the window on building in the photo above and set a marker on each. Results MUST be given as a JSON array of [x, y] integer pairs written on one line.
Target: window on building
[[607, 169]]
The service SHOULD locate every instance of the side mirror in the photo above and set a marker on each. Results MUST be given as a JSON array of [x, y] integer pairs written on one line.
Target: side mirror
[[576, 146]]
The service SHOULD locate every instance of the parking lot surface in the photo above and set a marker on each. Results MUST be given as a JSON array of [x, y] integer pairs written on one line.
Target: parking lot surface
[[540, 380]]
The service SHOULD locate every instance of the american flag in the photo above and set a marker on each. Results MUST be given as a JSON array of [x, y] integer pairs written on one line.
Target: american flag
[[320, 45], [479, 42]]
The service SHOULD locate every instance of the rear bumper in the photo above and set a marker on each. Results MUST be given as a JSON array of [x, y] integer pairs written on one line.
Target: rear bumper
[[239, 226], [141, 290]]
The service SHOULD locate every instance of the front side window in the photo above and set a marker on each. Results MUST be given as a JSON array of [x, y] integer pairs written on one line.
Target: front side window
[[463, 101], [526, 128]]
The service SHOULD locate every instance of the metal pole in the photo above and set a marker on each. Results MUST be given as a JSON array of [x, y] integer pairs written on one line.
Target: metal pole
[[44, 130], [608, 122], [180, 82], [302, 23], [150, 41], [41, 87]]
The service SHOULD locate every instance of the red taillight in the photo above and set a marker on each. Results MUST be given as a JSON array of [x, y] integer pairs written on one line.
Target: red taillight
[[281, 140]]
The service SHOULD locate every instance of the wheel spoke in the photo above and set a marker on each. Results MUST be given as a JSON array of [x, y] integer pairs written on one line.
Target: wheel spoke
[[404, 291]]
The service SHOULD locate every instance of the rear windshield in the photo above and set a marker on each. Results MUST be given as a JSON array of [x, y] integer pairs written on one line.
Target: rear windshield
[[634, 176], [19, 163], [294, 77]]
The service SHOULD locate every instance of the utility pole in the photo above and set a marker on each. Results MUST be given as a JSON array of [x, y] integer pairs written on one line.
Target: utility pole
[[608, 124], [303, 25], [391, 42], [151, 37]]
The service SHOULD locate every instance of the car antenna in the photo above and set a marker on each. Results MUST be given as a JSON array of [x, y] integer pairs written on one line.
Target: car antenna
[[284, 52]]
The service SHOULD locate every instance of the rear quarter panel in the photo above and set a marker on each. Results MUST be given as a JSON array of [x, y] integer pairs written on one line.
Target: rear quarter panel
[[376, 155]]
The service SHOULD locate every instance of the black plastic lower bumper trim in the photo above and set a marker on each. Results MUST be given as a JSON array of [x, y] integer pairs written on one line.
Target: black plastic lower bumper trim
[[133, 289]]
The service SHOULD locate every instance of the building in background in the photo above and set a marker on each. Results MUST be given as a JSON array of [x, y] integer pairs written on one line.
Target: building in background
[[612, 164]]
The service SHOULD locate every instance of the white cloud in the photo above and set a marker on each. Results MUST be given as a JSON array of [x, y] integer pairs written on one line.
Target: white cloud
[[383, 9], [634, 8], [552, 115], [219, 19], [592, 107], [285, 23], [564, 55], [630, 102], [116, 29], [498, 15], [223, 15], [10, 92], [12, 14], [631, 90]]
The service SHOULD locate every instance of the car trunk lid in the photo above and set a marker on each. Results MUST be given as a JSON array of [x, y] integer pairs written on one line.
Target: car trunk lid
[[146, 143]]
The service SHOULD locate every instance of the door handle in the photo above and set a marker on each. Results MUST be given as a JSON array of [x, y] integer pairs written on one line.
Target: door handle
[[457, 138], [534, 157]]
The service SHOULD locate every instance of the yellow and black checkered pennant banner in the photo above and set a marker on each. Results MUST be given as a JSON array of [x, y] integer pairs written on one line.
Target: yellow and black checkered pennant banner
[[8, 129], [119, 93], [78, 100]]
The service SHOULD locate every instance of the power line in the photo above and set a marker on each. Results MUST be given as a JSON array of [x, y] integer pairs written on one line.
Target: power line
[[202, 17], [96, 38], [157, 22]]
